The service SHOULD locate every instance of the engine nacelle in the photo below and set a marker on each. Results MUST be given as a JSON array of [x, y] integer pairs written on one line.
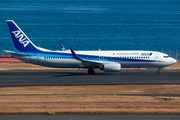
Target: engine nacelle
[[111, 67]]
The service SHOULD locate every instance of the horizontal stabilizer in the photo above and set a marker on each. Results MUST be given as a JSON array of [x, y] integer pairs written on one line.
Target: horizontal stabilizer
[[13, 53]]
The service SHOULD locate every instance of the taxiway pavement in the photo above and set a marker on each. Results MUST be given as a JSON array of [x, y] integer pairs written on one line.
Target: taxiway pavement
[[80, 77]]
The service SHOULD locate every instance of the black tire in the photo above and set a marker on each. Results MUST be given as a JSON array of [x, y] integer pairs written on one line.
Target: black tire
[[91, 71], [158, 72]]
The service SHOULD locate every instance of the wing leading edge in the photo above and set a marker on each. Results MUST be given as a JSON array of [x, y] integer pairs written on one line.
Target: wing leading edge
[[75, 56]]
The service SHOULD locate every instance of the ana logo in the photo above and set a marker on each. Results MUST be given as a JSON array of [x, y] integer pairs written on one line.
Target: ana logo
[[22, 38], [146, 54]]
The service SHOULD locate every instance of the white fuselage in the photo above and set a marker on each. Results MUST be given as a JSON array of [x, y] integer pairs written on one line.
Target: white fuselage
[[127, 59]]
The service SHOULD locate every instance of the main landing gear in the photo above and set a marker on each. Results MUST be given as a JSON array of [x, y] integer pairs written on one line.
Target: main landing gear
[[91, 71]]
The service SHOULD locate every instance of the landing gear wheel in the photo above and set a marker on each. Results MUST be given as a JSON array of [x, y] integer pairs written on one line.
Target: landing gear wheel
[[158, 72], [91, 71]]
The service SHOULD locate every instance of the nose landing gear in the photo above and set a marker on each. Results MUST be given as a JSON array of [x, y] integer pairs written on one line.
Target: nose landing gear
[[158, 72]]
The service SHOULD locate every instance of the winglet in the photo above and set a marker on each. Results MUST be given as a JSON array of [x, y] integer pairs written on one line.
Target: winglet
[[62, 47], [74, 54]]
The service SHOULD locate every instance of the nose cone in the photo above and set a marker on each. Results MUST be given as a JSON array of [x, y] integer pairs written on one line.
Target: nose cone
[[173, 61]]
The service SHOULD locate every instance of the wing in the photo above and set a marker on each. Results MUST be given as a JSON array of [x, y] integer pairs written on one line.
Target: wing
[[75, 56]]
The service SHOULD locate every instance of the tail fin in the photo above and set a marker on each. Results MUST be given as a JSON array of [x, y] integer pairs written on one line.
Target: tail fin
[[21, 42], [62, 47]]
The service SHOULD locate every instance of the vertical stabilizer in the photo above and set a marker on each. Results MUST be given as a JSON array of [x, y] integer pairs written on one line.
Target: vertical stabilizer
[[21, 42]]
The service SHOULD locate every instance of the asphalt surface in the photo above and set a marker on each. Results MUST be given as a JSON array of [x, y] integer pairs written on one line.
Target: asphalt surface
[[80, 77], [91, 117]]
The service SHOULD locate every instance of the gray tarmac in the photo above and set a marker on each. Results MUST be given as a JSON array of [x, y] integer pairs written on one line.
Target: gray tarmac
[[91, 117], [80, 77]]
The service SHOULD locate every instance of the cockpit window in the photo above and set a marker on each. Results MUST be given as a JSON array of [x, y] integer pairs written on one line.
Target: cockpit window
[[165, 56]]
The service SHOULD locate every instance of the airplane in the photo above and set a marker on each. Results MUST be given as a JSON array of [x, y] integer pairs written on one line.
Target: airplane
[[108, 61]]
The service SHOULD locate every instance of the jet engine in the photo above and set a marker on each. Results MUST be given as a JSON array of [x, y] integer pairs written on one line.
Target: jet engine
[[111, 67]]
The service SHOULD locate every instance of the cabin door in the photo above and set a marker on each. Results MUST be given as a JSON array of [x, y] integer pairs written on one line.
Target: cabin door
[[157, 57]]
